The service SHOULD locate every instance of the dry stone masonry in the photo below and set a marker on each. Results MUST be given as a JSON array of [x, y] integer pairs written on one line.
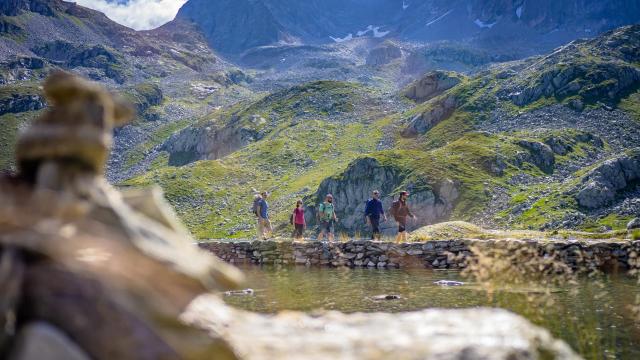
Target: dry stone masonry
[[441, 254]]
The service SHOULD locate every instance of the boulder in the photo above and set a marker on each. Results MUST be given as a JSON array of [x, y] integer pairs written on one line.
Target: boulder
[[440, 109], [634, 224], [431, 85], [601, 185], [479, 333]]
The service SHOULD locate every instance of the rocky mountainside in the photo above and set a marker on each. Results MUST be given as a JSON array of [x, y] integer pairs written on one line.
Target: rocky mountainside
[[545, 142], [153, 69], [233, 27]]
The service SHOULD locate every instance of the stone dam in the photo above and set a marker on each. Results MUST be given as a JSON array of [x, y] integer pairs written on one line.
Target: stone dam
[[607, 255]]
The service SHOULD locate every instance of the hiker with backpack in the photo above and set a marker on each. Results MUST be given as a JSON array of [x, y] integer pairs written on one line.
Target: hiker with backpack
[[372, 212], [327, 218], [298, 222], [261, 210], [400, 211]]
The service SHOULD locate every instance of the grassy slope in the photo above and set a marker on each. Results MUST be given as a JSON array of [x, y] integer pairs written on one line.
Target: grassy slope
[[295, 156], [214, 197]]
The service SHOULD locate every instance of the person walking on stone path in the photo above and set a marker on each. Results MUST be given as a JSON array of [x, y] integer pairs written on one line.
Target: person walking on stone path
[[400, 211], [327, 218], [372, 213], [262, 212], [298, 222]]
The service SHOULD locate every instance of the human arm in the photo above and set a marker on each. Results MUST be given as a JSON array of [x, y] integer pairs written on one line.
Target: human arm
[[381, 209], [410, 213]]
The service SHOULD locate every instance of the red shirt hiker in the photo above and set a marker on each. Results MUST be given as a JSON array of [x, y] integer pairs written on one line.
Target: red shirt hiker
[[298, 216]]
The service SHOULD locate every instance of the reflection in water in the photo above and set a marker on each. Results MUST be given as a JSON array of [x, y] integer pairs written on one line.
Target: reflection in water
[[592, 316]]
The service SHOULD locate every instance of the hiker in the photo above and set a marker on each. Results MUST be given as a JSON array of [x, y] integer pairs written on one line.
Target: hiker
[[261, 209], [298, 222], [400, 210], [327, 218], [372, 212]]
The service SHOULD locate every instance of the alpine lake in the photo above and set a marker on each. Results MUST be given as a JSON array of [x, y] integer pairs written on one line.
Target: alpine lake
[[594, 315]]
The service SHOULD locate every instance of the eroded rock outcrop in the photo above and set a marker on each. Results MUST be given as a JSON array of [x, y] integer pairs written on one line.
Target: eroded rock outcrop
[[17, 103], [207, 142], [602, 184], [440, 109], [353, 187], [430, 85]]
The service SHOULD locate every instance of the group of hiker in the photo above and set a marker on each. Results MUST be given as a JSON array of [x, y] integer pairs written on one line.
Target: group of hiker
[[326, 216]]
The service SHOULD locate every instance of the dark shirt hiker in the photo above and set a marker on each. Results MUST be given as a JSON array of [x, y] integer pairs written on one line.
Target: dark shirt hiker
[[400, 211], [372, 212]]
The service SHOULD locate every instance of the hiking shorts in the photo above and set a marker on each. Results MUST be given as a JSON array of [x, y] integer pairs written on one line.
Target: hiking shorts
[[326, 226], [402, 224]]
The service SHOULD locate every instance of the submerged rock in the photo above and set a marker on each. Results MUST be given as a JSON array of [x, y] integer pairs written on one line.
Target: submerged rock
[[386, 297], [449, 283], [239, 292]]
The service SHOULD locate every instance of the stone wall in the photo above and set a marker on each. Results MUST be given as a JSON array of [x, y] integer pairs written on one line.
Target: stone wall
[[442, 254]]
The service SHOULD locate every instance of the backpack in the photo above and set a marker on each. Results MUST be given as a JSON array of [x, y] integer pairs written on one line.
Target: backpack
[[393, 210], [322, 213], [256, 205]]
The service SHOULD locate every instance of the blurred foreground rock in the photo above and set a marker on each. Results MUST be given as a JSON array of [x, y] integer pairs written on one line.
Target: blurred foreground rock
[[85, 271], [430, 334]]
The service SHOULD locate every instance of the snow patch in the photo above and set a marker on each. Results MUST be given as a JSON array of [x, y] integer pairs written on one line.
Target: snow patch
[[439, 18], [339, 40], [483, 25], [519, 11], [404, 5], [364, 32], [378, 34], [376, 31]]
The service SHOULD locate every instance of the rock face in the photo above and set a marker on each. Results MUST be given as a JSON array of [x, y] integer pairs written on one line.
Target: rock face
[[431, 85], [14, 7], [612, 81], [74, 55], [353, 188], [440, 109], [206, 143], [18, 103], [429, 334], [383, 54], [601, 185], [492, 23], [634, 224]]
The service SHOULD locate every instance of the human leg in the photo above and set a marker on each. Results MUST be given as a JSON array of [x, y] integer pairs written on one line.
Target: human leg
[[260, 229]]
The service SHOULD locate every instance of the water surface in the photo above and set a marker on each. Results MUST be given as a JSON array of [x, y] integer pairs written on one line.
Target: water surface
[[593, 316]]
